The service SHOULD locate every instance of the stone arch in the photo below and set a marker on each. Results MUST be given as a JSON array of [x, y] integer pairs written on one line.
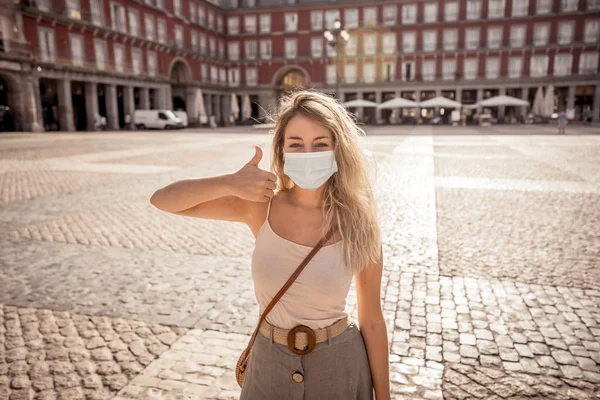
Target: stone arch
[[180, 71], [290, 77]]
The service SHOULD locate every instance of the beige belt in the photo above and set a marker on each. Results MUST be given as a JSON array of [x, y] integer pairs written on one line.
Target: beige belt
[[301, 339]]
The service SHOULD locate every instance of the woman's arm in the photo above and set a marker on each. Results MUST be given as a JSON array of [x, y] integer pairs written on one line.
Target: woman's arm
[[373, 328], [226, 197]]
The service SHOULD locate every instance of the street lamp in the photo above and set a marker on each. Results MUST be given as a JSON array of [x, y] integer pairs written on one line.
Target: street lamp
[[336, 37]]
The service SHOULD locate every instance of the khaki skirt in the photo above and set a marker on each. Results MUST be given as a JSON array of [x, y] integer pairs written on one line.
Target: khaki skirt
[[338, 369]]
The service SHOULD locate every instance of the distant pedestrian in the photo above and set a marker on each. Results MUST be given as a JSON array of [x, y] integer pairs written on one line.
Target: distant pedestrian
[[562, 122], [127, 121], [103, 123]]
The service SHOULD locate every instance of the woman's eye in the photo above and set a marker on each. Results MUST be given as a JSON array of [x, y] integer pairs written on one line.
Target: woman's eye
[[294, 145]]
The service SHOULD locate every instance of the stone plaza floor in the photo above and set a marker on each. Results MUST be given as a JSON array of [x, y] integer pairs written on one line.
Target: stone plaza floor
[[491, 288]]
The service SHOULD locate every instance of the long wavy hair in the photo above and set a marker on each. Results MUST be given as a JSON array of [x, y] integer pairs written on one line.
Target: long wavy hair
[[349, 205]]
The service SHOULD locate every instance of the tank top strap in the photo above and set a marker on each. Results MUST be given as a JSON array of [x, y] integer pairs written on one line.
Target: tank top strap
[[269, 209]]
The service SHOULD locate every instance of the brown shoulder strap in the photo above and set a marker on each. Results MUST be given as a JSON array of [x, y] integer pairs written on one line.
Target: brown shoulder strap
[[287, 285]]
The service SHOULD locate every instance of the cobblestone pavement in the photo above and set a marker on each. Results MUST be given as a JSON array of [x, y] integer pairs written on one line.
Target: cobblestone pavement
[[491, 288]]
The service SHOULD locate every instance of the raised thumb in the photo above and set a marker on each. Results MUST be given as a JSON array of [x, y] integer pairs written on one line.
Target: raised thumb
[[257, 156]]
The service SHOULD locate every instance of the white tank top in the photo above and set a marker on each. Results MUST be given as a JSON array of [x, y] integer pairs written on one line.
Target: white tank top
[[317, 298]]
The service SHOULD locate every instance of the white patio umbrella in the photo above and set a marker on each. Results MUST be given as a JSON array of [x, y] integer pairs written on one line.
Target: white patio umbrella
[[235, 107], [398, 102], [246, 107], [360, 103], [200, 109], [538, 103], [440, 101], [548, 108], [503, 100]]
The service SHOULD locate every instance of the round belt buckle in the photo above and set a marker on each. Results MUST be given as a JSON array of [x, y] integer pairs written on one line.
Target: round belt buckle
[[291, 340]]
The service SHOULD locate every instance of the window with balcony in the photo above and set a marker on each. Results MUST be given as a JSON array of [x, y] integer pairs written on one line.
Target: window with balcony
[[220, 24], [265, 49], [517, 35], [160, 4], [593, 5], [369, 74], [409, 14], [351, 46], [117, 17], [390, 15], [350, 18], [543, 7], [149, 28], [233, 50], [291, 22], [203, 72], [134, 22], [73, 9], [565, 32], [251, 49], [47, 44], [429, 40], [538, 66], [472, 38], [211, 20], [234, 77], [250, 24], [496, 9], [192, 12], [470, 68], [291, 48], [588, 63], [591, 31], [151, 59], [370, 44], [350, 73], [179, 36], [221, 49], [563, 64], [451, 11], [370, 16], [233, 25], [408, 71], [76, 50], [214, 74], [316, 20], [389, 43], [431, 12], [449, 69], [222, 76], [492, 67], [162, 31], [136, 61], [330, 74], [473, 9], [177, 7], [201, 16], [194, 40], [251, 76], [212, 47], [409, 41], [494, 37], [515, 67], [265, 23], [119, 53], [97, 10], [450, 39], [330, 17], [428, 70], [100, 53], [541, 32], [316, 47], [520, 8], [203, 47], [568, 5]]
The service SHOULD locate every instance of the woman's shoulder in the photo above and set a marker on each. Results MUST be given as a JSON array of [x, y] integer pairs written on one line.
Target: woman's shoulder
[[260, 211]]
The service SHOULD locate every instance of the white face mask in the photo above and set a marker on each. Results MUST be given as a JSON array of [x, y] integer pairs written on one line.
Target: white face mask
[[310, 170]]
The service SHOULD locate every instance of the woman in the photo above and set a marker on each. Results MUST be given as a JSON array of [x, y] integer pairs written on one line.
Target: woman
[[319, 183], [562, 122]]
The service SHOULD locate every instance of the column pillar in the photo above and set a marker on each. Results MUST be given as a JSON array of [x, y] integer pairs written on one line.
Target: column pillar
[[458, 95], [596, 105], [360, 110], [129, 105], [501, 109], [26, 104], [378, 98], [191, 103], [144, 98], [524, 96], [91, 104], [227, 109], [571, 98], [65, 105], [267, 102], [112, 110], [438, 93], [479, 100], [417, 108], [209, 105], [217, 108], [158, 95], [168, 98]]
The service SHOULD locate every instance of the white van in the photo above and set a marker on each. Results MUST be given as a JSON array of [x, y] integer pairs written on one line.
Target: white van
[[182, 115], [156, 119]]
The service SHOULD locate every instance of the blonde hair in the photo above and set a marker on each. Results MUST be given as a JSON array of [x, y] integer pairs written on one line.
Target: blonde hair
[[349, 205]]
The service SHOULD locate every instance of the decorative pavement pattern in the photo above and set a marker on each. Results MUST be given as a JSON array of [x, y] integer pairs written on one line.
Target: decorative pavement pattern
[[491, 288]]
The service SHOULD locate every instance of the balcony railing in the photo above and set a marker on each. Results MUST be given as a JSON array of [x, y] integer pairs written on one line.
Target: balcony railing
[[14, 48]]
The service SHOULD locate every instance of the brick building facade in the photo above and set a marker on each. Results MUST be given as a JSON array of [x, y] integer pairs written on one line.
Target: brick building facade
[[64, 61]]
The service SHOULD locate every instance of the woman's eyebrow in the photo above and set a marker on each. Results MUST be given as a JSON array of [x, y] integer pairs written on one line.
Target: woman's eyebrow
[[317, 138]]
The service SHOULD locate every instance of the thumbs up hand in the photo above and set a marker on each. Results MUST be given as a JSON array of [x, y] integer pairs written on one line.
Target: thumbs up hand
[[252, 183]]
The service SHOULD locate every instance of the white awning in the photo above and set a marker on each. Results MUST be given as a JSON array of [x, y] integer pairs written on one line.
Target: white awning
[[503, 100], [440, 102], [246, 107], [538, 103], [398, 102], [200, 109], [360, 103], [235, 107], [549, 101]]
